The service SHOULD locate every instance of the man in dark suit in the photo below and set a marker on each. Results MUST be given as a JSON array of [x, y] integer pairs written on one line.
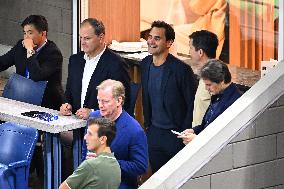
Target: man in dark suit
[[37, 58], [169, 86], [89, 68]]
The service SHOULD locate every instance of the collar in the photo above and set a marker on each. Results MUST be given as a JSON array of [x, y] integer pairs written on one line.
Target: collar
[[224, 92], [38, 49], [106, 155], [86, 57]]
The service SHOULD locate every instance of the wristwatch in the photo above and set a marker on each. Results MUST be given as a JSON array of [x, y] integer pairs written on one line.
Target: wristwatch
[[30, 52]]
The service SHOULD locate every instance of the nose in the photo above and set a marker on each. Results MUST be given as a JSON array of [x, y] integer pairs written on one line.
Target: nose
[[150, 41], [100, 104], [83, 42], [85, 137]]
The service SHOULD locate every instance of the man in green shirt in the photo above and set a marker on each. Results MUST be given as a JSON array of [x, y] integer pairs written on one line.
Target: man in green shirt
[[102, 171]]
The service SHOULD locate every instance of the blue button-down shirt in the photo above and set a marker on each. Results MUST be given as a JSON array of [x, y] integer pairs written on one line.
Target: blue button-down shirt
[[219, 103]]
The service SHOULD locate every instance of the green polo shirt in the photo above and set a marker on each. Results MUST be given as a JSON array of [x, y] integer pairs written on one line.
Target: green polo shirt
[[100, 172]]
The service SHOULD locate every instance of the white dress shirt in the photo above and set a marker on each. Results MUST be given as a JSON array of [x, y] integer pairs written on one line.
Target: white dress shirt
[[90, 66]]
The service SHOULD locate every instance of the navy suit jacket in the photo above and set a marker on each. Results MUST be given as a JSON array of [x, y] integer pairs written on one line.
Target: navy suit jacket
[[129, 147], [219, 103], [178, 88], [46, 65], [110, 66]]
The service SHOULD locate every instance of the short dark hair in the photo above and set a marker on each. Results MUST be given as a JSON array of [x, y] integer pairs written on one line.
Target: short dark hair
[[106, 128], [169, 30], [98, 25], [216, 71], [38, 21], [205, 40]]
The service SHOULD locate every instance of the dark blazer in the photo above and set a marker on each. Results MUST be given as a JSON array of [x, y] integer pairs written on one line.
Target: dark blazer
[[219, 103], [178, 88], [46, 65], [129, 147], [110, 66]]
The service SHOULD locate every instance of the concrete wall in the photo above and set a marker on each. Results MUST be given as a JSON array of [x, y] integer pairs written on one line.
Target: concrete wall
[[59, 17], [253, 160]]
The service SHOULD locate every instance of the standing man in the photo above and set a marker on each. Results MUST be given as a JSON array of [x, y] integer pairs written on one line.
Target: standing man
[[169, 87], [37, 58], [102, 171], [202, 47], [89, 68], [130, 144]]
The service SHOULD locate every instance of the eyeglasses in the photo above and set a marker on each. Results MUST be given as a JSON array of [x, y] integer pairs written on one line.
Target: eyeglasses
[[103, 101]]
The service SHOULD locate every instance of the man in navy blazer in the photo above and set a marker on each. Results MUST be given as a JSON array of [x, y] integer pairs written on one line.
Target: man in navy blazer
[[86, 70], [130, 144], [169, 86], [89, 68]]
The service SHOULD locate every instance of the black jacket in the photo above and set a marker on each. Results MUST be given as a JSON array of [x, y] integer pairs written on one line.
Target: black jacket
[[110, 66], [178, 89], [46, 65]]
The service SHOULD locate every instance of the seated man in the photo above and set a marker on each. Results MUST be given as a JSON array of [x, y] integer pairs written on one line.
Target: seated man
[[224, 93], [102, 171], [37, 58], [130, 144]]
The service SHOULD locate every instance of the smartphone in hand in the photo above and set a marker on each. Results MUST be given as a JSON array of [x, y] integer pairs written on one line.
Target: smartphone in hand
[[175, 132]]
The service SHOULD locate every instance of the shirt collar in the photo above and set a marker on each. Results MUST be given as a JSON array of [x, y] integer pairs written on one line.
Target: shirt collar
[[86, 57], [218, 96], [38, 49]]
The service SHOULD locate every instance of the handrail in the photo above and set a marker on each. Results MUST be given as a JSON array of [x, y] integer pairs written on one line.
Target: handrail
[[220, 132]]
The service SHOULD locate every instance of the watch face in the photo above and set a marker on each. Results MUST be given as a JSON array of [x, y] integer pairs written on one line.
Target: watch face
[[31, 51]]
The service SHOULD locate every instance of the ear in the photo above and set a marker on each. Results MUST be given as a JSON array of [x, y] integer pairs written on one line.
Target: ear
[[200, 52], [44, 33], [119, 100], [103, 139], [102, 36], [169, 43]]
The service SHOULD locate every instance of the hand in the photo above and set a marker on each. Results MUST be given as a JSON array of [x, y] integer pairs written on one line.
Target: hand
[[91, 155], [83, 113], [187, 131], [187, 136], [66, 109], [28, 44]]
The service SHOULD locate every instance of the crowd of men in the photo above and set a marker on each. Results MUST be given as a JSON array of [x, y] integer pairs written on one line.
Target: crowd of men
[[116, 149]]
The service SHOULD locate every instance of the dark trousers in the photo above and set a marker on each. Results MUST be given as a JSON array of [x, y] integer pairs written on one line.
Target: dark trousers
[[67, 154], [163, 145]]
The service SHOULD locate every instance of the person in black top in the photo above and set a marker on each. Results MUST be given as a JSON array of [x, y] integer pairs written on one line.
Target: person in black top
[[37, 58], [168, 89], [87, 69]]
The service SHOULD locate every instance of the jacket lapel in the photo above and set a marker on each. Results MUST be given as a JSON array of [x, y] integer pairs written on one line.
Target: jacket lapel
[[81, 71], [146, 75], [166, 76]]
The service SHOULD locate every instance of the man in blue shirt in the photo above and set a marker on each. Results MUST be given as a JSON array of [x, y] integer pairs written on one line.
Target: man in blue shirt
[[130, 144], [224, 93]]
